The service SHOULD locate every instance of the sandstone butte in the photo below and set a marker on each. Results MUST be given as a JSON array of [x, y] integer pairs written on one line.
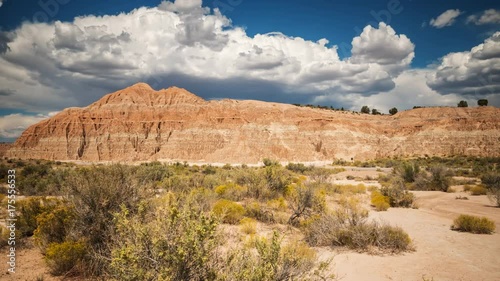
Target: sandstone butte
[[141, 124]]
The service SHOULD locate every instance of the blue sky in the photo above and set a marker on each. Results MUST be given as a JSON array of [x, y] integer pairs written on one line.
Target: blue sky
[[407, 52]]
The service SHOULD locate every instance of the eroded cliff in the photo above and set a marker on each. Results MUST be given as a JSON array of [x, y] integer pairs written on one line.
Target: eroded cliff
[[141, 124]]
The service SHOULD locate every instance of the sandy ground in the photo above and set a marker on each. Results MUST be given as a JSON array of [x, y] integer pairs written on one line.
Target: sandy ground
[[29, 265], [440, 253]]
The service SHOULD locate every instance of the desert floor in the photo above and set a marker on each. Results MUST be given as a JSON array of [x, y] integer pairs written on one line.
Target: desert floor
[[440, 253]]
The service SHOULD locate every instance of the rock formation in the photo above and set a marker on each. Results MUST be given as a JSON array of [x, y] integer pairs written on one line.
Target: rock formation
[[141, 124]]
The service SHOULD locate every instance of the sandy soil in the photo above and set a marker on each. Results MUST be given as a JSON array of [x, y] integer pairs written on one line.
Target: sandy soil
[[29, 265], [440, 253]]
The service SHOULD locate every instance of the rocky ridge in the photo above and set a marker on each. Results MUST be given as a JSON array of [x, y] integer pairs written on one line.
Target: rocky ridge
[[141, 124]]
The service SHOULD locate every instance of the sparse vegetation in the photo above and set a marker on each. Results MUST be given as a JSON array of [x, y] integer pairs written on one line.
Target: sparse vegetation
[[478, 190], [170, 221], [365, 109], [473, 224], [379, 201], [347, 226], [492, 181], [482, 102]]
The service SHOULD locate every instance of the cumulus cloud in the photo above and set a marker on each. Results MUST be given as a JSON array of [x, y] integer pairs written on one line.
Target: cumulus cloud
[[74, 63], [490, 16], [473, 73], [445, 19], [11, 126], [410, 90], [384, 47]]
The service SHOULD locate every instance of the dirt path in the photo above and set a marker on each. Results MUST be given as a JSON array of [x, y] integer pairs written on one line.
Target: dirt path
[[440, 253]]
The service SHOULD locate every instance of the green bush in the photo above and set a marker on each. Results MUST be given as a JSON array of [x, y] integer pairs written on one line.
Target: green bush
[[65, 257], [229, 211], [379, 201], [272, 261], [53, 226], [408, 171], [261, 213], [492, 181], [440, 178], [398, 195], [270, 162], [248, 226], [277, 178], [473, 224], [231, 191], [348, 227], [4, 236], [478, 190], [96, 194], [29, 210], [298, 168], [176, 243]]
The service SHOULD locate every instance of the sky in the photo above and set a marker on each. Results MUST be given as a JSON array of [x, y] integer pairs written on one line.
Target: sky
[[56, 54]]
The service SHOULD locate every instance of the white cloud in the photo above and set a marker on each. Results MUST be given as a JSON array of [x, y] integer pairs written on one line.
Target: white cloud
[[80, 60], [50, 66], [490, 16], [1, 3], [384, 47], [445, 19], [473, 73], [410, 90], [11, 126]]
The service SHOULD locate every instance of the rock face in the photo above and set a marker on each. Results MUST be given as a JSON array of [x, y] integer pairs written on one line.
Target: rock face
[[141, 124]]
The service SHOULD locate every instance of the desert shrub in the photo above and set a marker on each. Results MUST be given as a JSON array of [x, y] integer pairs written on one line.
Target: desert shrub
[[231, 191], [305, 200], [467, 187], [209, 170], [271, 261], [492, 181], [175, 244], [440, 178], [473, 224], [29, 210], [96, 193], [408, 171], [33, 179], [379, 201], [248, 225], [392, 238], [201, 198], [4, 236], [261, 213], [277, 178], [398, 195], [152, 172], [278, 204], [270, 162], [347, 226], [53, 226], [319, 175], [478, 190], [298, 167], [229, 211], [176, 183], [65, 257], [255, 183]]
